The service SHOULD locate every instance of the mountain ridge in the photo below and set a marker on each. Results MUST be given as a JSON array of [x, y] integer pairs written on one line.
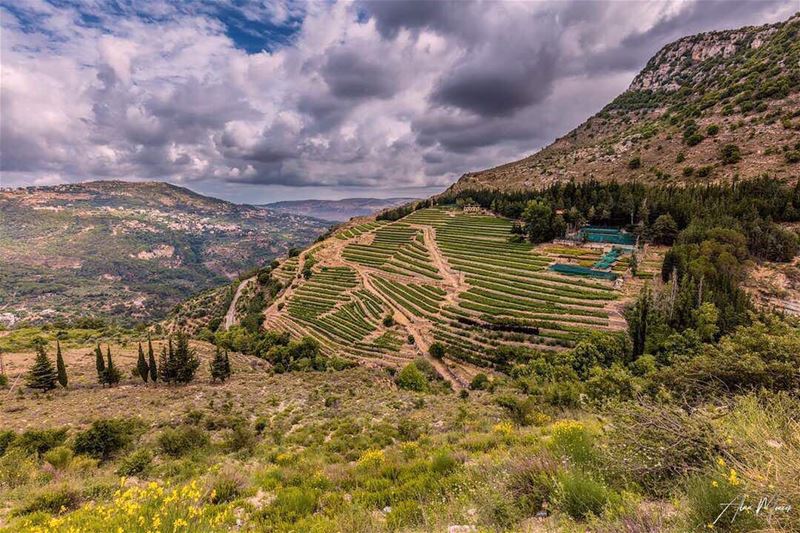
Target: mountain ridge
[[337, 210], [695, 97]]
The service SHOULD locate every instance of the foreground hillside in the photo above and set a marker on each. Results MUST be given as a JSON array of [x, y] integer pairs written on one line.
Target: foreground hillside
[[337, 210], [358, 450], [708, 107], [128, 250]]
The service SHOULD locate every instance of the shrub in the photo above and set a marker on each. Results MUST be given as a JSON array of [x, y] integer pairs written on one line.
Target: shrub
[[531, 480], [59, 457], [6, 438], [653, 445], [694, 139], [136, 463], [293, 503], [437, 350], [388, 321], [571, 439], [680, 158], [53, 501], [227, 486], [404, 514], [3, 381], [635, 163], [579, 495], [443, 462], [792, 156], [105, 437], [730, 154], [17, 468], [411, 378], [708, 497], [240, 438], [712, 130], [35, 441], [181, 440], [479, 382], [520, 410], [704, 171], [688, 172]]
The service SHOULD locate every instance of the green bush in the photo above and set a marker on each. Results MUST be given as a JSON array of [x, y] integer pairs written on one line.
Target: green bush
[[59, 457], [730, 154], [105, 438], [579, 495], [294, 503], [694, 139], [411, 378], [136, 463], [226, 487], [707, 496], [404, 514], [240, 438], [181, 440], [443, 462], [35, 441], [571, 439], [635, 163], [52, 501], [479, 382], [530, 480], [712, 130], [6, 438]]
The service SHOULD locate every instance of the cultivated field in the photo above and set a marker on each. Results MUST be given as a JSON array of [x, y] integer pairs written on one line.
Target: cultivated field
[[443, 276]]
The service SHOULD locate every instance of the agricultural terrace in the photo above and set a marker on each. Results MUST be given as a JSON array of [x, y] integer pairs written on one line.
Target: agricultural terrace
[[451, 277]]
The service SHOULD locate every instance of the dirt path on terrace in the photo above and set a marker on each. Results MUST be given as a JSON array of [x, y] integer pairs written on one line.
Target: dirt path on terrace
[[230, 316], [330, 255], [455, 280]]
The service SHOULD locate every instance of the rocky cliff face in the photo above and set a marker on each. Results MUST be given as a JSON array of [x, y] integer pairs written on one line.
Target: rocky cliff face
[[710, 107]]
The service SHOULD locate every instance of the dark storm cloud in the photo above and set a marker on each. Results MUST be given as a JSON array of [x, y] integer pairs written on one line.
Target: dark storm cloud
[[393, 15], [352, 74]]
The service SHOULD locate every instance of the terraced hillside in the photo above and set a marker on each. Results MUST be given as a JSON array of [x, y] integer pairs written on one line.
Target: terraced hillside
[[442, 276]]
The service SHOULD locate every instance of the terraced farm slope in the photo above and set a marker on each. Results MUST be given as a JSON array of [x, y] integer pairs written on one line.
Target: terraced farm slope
[[443, 276]]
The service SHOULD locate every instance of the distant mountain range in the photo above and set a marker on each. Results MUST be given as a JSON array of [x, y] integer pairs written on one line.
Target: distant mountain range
[[338, 210], [129, 250]]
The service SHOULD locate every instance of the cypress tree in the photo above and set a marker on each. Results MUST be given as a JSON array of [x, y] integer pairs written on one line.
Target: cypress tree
[[112, 374], [42, 375], [100, 365], [164, 360], [151, 361], [141, 365], [184, 362], [60, 367], [220, 366]]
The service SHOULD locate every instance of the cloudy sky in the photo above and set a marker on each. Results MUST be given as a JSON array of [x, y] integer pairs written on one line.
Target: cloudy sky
[[274, 100]]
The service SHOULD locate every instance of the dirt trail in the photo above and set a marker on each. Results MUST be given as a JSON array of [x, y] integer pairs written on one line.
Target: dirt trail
[[230, 316], [331, 256], [455, 280]]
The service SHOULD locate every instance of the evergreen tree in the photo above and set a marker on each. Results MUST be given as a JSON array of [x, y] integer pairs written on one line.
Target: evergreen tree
[[220, 366], [112, 375], [185, 362], [151, 361], [100, 365], [60, 367], [637, 316], [165, 363], [42, 375], [141, 365]]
